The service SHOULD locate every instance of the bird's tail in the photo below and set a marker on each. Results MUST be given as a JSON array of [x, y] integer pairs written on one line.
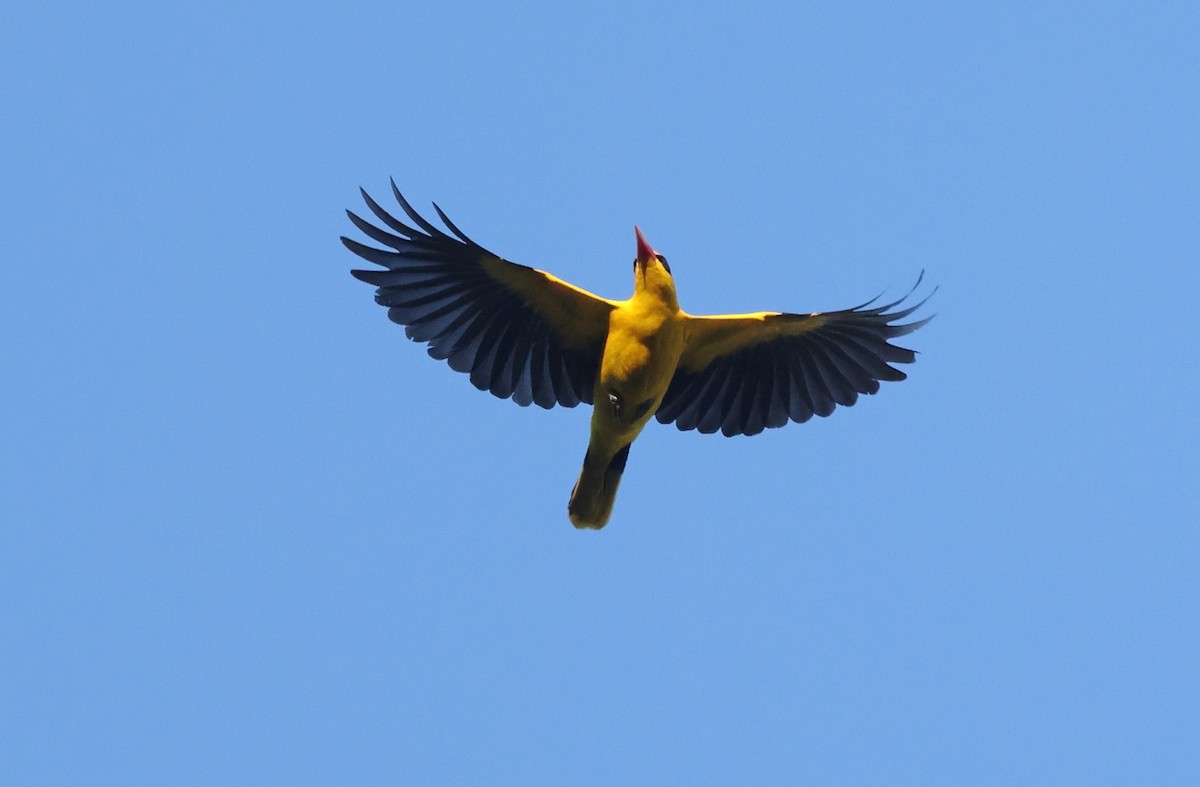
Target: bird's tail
[[592, 498]]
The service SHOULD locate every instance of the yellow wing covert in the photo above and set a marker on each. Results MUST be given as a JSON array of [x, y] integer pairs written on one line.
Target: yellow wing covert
[[518, 332], [741, 373]]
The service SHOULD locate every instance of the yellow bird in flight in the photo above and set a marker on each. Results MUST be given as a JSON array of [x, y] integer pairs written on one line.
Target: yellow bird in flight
[[528, 336]]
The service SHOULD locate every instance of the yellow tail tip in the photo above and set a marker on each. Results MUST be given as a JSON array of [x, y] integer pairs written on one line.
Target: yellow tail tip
[[582, 523]]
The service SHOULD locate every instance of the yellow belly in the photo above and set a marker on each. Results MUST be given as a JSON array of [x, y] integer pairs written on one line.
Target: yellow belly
[[643, 348]]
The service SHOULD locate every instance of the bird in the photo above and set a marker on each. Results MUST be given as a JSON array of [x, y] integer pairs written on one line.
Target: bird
[[526, 335]]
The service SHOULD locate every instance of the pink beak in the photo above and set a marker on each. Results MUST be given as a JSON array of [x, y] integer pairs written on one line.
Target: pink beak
[[644, 251]]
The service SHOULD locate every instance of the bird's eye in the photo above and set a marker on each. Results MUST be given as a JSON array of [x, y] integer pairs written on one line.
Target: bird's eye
[[663, 260]]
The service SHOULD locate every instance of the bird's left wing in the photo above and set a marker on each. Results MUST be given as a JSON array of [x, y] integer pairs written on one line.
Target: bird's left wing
[[741, 373], [519, 332]]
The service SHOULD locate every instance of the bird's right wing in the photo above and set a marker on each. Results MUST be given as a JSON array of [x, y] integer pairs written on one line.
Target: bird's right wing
[[741, 373], [519, 332]]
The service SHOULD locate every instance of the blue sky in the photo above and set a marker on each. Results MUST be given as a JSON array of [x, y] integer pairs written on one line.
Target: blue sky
[[251, 534]]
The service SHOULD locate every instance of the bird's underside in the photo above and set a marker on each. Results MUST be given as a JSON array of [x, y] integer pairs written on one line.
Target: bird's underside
[[525, 335]]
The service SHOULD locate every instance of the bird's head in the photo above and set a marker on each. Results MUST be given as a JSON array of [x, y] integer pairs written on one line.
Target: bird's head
[[651, 271]]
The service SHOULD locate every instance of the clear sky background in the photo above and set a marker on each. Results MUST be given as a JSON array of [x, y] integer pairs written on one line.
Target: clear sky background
[[249, 533]]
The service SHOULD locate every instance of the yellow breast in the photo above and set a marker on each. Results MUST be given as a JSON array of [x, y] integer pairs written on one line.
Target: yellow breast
[[644, 343]]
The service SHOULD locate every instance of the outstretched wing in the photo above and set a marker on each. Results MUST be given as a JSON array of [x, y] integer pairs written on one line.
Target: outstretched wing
[[741, 373], [519, 332]]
